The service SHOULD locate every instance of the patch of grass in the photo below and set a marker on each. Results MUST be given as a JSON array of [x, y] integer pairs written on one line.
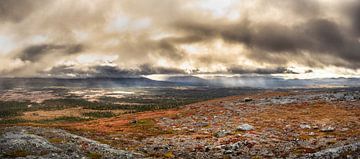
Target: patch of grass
[[149, 102], [12, 108], [63, 103], [169, 155], [304, 137], [15, 108], [17, 153], [13, 121], [106, 114], [55, 140], [256, 157], [64, 119], [149, 127], [94, 155], [9, 113], [144, 122]]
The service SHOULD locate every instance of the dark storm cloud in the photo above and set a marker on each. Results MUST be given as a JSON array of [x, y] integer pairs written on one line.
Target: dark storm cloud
[[309, 71], [269, 36], [94, 71], [14, 10], [304, 8], [110, 71], [17, 10], [64, 70], [278, 70], [148, 69], [136, 38], [353, 11], [185, 39], [35, 52], [168, 49], [113, 71], [317, 35]]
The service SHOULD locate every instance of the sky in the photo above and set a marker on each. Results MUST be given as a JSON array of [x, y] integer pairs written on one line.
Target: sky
[[122, 38]]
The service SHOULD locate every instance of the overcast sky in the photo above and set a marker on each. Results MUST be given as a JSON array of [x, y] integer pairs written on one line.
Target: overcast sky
[[82, 38]]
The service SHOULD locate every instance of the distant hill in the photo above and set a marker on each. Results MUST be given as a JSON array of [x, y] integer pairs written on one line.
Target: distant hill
[[172, 81], [9, 83], [188, 80], [262, 81]]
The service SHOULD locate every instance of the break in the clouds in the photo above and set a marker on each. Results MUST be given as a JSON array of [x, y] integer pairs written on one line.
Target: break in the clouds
[[111, 38]]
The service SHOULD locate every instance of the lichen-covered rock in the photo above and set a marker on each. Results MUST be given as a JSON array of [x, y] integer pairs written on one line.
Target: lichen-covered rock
[[327, 129], [245, 127], [221, 133], [35, 142], [347, 151]]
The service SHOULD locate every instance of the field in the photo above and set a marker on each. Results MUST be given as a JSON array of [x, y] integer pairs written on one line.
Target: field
[[180, 122]]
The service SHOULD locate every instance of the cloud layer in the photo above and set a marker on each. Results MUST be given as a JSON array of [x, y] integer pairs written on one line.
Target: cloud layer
[[126, 38]]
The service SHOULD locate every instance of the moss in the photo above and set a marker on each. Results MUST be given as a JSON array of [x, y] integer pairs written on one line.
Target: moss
[[12, 108], [94, 155], [305, 137], [149, 127], [63, 119], [256, 157], [106, 114], [144, 122], [169, 155], [55, 140], [13, 121], [17, 153]]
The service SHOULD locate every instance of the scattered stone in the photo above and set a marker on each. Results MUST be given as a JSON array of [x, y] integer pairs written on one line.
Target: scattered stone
[[247, 99], [201, 124], [207, 149], [236, 146], [344, 129], [221, 133], [228, 152], [305, 126], [327, 129], [191, 130], [337, 152], [245, 127], [133, 121]]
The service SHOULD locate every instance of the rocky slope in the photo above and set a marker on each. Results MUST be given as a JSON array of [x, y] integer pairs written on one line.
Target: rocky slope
[[35, 142], [269, 124]]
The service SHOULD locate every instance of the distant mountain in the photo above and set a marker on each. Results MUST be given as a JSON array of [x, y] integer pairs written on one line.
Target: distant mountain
[[277, 82], [9, 83], [261, 81], [187, 80], [172, 81]]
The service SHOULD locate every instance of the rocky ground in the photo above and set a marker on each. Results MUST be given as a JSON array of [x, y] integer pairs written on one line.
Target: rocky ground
[[271, 124], [36, 142], [267, 125]]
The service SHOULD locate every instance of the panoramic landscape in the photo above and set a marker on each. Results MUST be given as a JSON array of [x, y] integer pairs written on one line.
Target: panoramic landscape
[[179, 79]]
